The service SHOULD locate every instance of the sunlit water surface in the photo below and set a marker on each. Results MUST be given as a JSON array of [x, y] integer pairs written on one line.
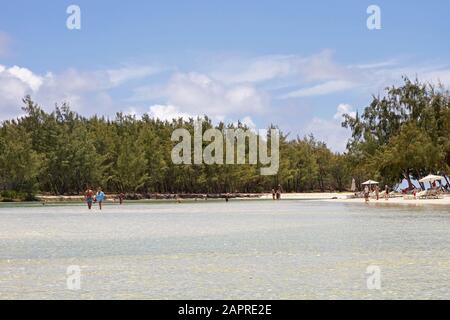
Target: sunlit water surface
[[218, 250]]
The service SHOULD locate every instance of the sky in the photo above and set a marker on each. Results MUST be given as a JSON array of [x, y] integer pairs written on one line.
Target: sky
[[298, 64]]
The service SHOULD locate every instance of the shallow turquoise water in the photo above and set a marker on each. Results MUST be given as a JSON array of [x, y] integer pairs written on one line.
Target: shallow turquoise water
[[218, 250]]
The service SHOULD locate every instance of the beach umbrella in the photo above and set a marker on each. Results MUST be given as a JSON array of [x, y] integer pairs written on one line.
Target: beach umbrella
[[369, 182], [353, 187], [431, 178]]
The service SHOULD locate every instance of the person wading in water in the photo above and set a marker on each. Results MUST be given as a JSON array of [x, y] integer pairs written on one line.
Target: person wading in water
[[279, 191], [89, 197], [386, 195], [366, 193], [99, 197], [121, 196]]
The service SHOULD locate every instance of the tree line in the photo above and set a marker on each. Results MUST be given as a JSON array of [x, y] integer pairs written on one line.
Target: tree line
[[403, 134]]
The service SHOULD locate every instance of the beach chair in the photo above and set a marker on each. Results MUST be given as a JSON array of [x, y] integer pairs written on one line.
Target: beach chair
[[409, 196], [422, 194], [433, 194], [357, 195], [394, 194]]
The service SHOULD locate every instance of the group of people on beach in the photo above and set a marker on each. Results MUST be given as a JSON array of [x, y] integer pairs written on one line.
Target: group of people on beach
[[276, 194], [376, 190]]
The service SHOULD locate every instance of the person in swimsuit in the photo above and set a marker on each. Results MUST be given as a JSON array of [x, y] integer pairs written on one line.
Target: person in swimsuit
[[279, 191], [366, 193], [99, 197], [121, 196], [89, 197]]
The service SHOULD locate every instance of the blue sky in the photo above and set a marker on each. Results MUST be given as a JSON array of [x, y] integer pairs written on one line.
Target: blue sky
[[296, 64]]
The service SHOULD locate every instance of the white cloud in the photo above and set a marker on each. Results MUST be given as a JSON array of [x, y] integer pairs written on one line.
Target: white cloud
[[29, 78], [321, 89], [377, 79], [331, 130], [317, 67], [317, 74], [121, 75], [256, 69], [344, 109], [199, 94], [132, 111], [377, 65], [15, 83], [73, 80], [437, 76], [247, 121], [372, 78], [12, 90], [88, 92], [168, 112]]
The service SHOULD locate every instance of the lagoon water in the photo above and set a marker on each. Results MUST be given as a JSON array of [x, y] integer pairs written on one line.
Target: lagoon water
[[217, 250]]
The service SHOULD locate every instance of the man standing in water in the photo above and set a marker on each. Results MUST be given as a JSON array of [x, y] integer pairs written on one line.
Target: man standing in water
[[89, 197], [99, 197], [121, 196], [279, 191]]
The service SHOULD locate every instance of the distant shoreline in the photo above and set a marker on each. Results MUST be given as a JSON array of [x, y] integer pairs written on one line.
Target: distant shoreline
[[134, 197], [336, 197], [197, 196]]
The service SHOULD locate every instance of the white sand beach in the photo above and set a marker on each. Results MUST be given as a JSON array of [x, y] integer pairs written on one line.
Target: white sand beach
[[343, 197], [445, 200]]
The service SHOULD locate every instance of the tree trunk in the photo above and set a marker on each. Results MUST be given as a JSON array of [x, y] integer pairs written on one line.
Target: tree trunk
[[420, 183], [446, 179], [408, 178]]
